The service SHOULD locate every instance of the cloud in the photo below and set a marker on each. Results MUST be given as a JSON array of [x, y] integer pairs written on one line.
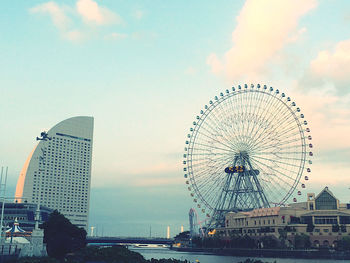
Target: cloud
[[138, 14], [328, 117], [75, 35], [190, 71], [263, 29], [321, 174], [91, 12], [331, 68], [57, 14], [71, 27], [298, 35], [115, 36]]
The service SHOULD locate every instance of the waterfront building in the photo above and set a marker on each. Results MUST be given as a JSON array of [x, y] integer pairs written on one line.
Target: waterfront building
[[57, 174], [323, 218], [24, 213]]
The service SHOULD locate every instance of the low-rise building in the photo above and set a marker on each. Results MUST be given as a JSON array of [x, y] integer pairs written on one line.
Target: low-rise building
[[321, 217], [25, 214]]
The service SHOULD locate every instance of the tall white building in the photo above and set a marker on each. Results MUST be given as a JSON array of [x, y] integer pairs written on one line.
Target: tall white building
[[57, 173]]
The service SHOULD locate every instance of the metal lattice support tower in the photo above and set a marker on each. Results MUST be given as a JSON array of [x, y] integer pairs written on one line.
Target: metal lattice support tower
[[255, 127], [242, 190]]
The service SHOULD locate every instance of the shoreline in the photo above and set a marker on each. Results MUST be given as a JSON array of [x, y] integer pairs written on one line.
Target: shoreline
[[271, 253]]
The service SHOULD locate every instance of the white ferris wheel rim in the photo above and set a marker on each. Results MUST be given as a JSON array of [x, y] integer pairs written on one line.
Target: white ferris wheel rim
[[259, 120]]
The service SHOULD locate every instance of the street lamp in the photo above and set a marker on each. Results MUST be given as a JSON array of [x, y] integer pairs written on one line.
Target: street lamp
[[44, 136]]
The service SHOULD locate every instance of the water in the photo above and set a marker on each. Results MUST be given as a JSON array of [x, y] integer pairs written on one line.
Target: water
[[158, 253]]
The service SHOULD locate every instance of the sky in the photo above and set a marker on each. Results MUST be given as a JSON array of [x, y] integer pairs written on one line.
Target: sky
[[144, 70]]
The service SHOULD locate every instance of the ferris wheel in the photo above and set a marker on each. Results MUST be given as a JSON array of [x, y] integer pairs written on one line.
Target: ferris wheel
[[248, 148]]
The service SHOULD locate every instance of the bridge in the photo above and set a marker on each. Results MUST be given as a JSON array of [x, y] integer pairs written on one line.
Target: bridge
[[128, 240]]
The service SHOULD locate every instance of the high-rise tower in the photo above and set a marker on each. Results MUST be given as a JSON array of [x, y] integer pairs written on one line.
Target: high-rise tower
[[57, 173]]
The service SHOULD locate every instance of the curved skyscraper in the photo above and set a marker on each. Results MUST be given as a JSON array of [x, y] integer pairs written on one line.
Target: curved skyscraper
[[57, 173]]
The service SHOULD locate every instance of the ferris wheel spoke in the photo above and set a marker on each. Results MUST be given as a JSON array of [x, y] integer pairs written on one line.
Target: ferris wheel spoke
[[209, 191], [279, 143], [237, 110], [275, 170], [270, 104], [279, 147], [208, 171], [215, 140], [271, 144], [232, 129], [270, 185], [247, 124], [272, 131], [218, 131], [279, 153], [218, 120], [286, 118], [259, 108], [251, 112], [278, 161], [286, 133], [275, 189], [210, 174], [206, 154], [273, 117], [213, 147]]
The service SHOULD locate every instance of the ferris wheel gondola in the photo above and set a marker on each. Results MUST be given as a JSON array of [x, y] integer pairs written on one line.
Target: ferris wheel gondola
[[258, 129]]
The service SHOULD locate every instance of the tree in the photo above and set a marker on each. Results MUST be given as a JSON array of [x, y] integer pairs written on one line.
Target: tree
[[335, 228], [302, 241], [344, 243], [282, 237], [183, 235], [61, 236], [269, 242], [310, 227]]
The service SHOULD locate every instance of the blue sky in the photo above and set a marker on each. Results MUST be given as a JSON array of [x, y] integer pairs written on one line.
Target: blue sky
[[144, 69]]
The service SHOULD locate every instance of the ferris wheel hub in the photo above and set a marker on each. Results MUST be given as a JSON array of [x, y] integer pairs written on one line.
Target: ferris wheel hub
[[261, 138]]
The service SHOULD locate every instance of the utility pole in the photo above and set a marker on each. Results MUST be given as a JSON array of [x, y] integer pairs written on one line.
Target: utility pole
[[44, 136], [3, 191]]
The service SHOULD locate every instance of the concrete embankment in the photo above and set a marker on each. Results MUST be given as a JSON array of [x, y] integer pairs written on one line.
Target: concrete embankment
[[272, 253]]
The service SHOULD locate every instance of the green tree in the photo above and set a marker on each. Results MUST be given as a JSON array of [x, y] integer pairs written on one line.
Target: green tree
[[310, 227], [343, 228], [108, 254], [282, 237], [61, 236], [344, 243], [269, 242], [302, 241], [335, 228]]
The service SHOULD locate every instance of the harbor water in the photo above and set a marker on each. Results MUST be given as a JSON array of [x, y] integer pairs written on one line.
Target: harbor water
[[159, 253]]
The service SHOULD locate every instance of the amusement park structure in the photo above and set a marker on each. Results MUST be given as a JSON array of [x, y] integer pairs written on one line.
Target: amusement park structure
[[196, 228], [248, 148]]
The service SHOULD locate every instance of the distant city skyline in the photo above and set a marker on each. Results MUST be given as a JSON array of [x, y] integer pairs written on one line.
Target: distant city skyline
[[145, 69]]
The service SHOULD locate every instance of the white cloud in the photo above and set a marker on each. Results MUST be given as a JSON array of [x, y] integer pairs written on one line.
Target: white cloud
[[116, 36], [331, 67], [321, 174], [297, 35], [91, 12], [75, 36], [57, 14], [263, 29], [67, 19], [138, 14], [328, 116], [190, 71]]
